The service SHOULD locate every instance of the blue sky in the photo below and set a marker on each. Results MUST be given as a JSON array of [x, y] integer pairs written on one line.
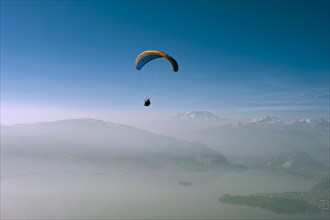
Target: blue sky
[[245, 58]]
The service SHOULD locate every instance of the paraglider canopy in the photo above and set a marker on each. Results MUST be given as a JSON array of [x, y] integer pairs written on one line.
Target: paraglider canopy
[[149, 55]]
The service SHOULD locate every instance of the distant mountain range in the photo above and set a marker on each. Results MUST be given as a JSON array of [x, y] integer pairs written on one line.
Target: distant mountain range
[[197, 115], [200, 120], [98, 141], [268, 121], [261, 140], [190, 140], [318, 128]]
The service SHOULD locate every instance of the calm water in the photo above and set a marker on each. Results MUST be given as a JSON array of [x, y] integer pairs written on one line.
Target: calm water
[[41, 189]]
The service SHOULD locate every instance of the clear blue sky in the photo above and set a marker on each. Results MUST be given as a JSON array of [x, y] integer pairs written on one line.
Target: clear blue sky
[[261, 57]]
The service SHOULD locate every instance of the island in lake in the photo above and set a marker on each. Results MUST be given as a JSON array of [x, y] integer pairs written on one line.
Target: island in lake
[[184, 183], [315, 200]]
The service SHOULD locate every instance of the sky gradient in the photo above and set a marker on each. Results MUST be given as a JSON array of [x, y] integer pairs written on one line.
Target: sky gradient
[[71, 59]]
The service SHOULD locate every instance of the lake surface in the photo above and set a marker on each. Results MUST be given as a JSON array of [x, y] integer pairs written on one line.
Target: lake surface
[[42, 189]]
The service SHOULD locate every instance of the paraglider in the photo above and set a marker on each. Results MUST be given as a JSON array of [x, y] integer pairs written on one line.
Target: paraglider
[[147, 102], [149, 55]]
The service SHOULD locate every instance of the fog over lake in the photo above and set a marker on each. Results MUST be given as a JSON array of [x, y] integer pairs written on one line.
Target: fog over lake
[[44, 189], [52, 170]]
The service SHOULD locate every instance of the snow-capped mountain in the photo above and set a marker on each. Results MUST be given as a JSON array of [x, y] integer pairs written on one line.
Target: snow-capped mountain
[[273, 121], [262, 121], [197, 115], [268, 121], [319, 128], [310, 123]]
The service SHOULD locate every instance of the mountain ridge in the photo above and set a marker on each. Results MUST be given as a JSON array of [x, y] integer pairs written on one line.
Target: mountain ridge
[[92, 139]]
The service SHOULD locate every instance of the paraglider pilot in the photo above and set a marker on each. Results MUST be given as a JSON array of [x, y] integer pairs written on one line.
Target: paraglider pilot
[[147, 102]]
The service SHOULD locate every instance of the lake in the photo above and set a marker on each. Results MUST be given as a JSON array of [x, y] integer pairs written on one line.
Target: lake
[[85, 190]]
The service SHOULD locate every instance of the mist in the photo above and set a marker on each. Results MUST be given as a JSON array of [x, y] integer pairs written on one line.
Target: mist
[[90, 168], [238, 125], [85, 190]]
